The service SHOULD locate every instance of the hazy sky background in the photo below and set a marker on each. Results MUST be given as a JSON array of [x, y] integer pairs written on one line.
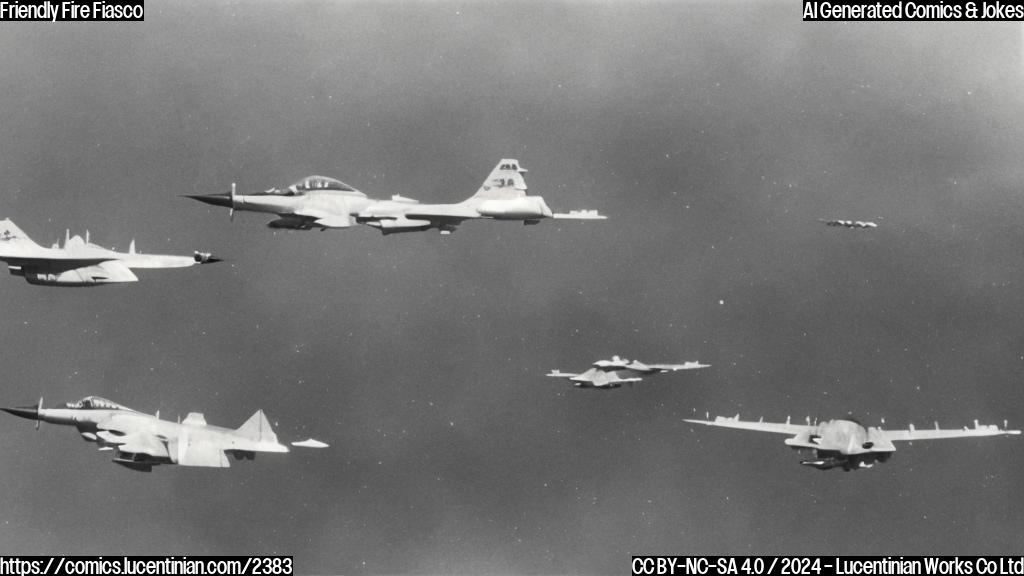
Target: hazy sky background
[[714, 135]]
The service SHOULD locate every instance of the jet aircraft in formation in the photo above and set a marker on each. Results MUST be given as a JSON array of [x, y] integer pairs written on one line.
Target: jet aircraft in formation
[[320, 202], [847, 443], [618, 371], [849, 223], [78, 262], [140, 441]]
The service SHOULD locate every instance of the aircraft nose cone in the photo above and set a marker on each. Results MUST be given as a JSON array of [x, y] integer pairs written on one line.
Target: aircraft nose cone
[[30, 412], [212, 199]]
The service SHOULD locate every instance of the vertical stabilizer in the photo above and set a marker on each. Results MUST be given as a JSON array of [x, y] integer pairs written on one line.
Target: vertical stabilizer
[[9, 232], [257, 428], [505, 181]]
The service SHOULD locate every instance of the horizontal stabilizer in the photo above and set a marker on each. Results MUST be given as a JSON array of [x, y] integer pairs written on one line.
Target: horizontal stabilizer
[[310, 443]]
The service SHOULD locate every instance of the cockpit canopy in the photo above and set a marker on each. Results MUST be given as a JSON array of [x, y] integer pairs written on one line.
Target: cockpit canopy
[[315, 184], [96, 403]]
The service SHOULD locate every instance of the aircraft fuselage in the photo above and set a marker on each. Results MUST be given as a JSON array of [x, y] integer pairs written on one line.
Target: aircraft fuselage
[[843, 443], [310, 202], [142, 441]]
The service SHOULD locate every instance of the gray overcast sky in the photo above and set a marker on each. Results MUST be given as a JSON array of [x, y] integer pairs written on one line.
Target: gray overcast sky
[[714, 134]]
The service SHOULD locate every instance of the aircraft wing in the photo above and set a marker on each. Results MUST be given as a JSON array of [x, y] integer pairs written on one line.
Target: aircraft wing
[[326, 219], [447, 212], [140, 443], [773, 427], [72, 271], [53, 264], [127, 439], [936, 433]]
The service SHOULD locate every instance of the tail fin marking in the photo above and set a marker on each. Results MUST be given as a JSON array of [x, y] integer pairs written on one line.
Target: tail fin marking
[[505, 181], [9, 231]]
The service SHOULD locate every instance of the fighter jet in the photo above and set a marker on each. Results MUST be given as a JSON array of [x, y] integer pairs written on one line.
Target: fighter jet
[[140, 441], [846, 443], [79, 263], [618, 371], [320, 202], [849, 223]]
